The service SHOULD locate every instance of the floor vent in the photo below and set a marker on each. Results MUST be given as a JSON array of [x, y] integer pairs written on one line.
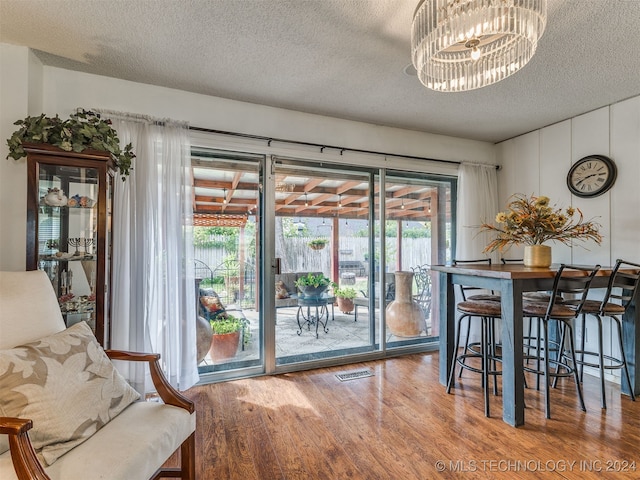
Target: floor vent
[[343, 377]]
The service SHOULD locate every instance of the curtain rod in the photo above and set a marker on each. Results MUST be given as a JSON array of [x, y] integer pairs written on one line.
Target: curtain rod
[[322, 146]]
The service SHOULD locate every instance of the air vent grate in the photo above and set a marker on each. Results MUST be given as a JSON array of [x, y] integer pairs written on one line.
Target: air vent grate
[[343, 377]]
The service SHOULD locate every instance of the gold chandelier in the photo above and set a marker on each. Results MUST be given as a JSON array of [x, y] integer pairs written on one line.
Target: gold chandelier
[[460, 45]]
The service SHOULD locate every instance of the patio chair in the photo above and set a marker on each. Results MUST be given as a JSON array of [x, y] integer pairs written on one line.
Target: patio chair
[[389, 296], [422, 278]]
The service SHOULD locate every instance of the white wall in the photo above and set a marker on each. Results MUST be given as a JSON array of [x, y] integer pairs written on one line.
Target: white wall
[[538, 163], [29, 89], [20, 96]]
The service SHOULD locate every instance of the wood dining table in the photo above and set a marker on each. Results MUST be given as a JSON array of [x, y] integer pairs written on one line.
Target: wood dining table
[[511, 281]]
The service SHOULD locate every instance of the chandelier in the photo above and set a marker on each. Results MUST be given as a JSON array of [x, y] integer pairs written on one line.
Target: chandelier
[[460, 45]]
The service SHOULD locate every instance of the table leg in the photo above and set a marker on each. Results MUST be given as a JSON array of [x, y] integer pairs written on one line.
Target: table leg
[[631, 343], [447, 325], [512, 354], [299, 332]]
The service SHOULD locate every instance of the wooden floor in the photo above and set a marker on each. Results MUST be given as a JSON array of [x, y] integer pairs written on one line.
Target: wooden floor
[[400, 424]]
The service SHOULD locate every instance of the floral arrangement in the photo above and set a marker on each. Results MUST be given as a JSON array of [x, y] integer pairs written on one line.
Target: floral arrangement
[[532, 221]]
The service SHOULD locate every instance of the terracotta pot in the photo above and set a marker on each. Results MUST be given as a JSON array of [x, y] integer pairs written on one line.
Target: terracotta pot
[[404, 316], [538, 256], [224, 346], [345, 304]]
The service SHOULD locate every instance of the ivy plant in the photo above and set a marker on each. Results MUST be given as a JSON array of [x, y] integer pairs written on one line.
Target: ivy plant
[[84, 129]]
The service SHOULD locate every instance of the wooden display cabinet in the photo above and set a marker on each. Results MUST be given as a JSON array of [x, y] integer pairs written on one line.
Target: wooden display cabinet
[[69, 201]]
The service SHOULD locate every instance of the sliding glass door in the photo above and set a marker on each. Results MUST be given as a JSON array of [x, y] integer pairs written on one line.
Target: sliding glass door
[[265, 227], [322, 216], [227, 228]]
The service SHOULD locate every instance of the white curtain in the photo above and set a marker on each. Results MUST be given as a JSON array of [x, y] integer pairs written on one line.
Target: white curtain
[[153, 283], [477, 204]]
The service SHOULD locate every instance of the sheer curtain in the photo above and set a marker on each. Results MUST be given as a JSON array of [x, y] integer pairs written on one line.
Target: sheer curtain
[[477, 203], [153, 307]]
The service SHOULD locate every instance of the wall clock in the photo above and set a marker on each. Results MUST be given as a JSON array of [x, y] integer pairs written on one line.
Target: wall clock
[[591, 176]]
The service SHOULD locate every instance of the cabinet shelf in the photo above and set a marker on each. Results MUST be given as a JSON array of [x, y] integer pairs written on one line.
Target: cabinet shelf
[[72, 258]]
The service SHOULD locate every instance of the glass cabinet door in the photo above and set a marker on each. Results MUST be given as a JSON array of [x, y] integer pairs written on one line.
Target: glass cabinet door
[[68, 237]]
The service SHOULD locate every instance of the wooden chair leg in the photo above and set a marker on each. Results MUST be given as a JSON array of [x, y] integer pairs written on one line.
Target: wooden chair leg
[[188, 458]]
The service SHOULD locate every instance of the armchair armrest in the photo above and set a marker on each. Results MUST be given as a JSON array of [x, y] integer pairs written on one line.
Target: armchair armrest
[[23, 455], [168, 394]]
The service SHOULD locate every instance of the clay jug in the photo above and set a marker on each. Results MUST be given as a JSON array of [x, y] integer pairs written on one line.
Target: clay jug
[[404, 315]]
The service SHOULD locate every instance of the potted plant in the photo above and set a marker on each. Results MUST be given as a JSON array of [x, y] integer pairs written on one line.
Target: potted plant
[[314, 285], [318, 243], [531, 221], [83, 130], [226, 330], [345, 296]]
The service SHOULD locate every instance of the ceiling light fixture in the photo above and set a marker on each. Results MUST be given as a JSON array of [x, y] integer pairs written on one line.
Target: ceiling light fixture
[[340, 201], [224, 195], [306, 200], [461, 45], [402, 206]]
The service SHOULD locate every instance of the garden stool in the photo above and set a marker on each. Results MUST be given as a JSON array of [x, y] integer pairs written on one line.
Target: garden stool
[[348, 278]]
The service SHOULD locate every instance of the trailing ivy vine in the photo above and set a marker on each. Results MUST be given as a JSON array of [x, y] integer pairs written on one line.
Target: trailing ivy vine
[[83, 130]]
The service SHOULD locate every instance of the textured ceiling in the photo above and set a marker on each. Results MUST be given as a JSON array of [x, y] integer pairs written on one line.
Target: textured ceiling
[[341, 58]]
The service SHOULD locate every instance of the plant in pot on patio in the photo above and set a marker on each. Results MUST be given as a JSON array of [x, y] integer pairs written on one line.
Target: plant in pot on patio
[[345, 296], [314, 285], [318, 243], [226, 330]]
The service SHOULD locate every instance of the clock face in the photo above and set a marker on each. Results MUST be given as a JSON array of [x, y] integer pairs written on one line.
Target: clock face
[[591, 176]]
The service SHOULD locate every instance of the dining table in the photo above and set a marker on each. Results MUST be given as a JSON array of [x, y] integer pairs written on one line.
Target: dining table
[[510, 281]]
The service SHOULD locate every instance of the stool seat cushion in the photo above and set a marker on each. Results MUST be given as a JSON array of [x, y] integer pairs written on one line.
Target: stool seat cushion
[[593, 306], [535, 309], [482, 297], [483, 308]]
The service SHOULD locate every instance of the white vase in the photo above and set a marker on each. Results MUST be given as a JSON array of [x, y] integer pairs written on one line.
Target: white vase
[[537, 256], [404, 316]]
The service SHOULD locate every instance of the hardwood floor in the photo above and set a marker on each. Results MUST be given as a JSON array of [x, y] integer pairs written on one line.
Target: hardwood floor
[[401, 424]]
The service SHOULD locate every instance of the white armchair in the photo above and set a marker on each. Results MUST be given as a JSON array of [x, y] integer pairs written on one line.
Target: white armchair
[[128, 443]]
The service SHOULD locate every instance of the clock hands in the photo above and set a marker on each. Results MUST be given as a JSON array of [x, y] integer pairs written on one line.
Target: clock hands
[[588, 176]]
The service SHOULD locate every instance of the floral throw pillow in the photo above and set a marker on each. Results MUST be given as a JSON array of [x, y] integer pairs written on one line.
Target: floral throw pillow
[[281, 290], [66, 384], [212, 304]]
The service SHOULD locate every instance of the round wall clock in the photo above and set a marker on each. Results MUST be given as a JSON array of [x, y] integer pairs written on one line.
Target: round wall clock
[[591, 176]]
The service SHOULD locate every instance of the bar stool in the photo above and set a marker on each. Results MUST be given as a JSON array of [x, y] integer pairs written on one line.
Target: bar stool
[[487, 311], [464, 291], [565, 282], [621, 288], [486, 308]]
